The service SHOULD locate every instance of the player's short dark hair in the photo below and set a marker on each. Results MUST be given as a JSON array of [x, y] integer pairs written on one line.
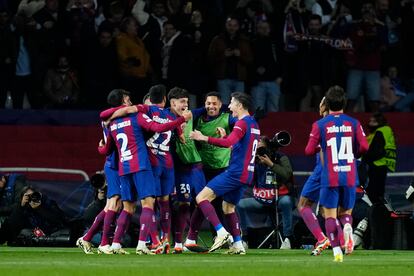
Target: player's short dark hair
[[380, 118], [116, 97], [177, 93], [213, 94], [244, 99], [335, 98], [157, 93]]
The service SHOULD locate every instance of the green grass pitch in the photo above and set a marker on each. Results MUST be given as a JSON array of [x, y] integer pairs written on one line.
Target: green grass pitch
[[71, 261]]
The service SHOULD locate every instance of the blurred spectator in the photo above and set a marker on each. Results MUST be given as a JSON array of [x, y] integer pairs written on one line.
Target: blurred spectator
[[100, 70], [113, 17], [407, 34], [326, 9], [52, 37], [29, 7], [381, 156], [175, 55], [23, 60], [265, 5], [369, 38], [340, 27], [11, 186], [133, 58], [81, 24], [267, 70], [391, 20], [294, 85], [6, 55], [249, 16], [35, 216], [230, 55], [200, 37], [273, 185], [394, 95], [316, 56], [61, 85], [151, 29]]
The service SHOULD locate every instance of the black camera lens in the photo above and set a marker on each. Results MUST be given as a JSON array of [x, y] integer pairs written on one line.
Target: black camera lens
[[35, 197]]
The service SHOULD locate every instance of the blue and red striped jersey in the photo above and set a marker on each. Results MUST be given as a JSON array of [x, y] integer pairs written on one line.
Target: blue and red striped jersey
[[244, 140], [341, 139], [159, 143], [127, 132], [112, 158]]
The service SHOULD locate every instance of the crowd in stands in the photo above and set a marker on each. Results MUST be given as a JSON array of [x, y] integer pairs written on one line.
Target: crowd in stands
[[61, 54]]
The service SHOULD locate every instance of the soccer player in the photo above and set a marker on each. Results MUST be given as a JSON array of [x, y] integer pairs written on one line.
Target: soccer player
[[215, 159], [231, 183], [341, 139], [136, 172], [310, 195], [107, 216]]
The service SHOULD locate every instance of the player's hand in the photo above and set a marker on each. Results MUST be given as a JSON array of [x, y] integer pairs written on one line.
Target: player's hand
[[198, 136], [101, 143], [221, 131], [187, 114], [182, 139], [266, 160], [107, 122]]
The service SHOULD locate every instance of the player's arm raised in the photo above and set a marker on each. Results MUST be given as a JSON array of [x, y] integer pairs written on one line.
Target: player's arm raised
[[150, 125], [106, 148], [238, 132], [313, 142], [362, 140]]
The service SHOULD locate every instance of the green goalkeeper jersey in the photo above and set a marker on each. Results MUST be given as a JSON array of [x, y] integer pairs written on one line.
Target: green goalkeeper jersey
[[187, 152], [212, 156]]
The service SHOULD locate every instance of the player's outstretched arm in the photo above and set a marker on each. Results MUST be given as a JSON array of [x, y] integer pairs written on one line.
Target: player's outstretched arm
[[238, 132], [150, 125], [314, 137]]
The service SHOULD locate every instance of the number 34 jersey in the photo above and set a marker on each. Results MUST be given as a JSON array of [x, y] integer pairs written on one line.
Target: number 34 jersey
[[341, 140]]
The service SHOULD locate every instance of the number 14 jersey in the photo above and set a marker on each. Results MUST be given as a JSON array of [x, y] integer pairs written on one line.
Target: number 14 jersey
[[341, 139]]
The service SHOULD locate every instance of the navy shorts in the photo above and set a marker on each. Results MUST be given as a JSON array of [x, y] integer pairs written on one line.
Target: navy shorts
[[164, 180], [138, 185], [312, 186], [189, 182], [113, 182], [334, 197], [227, 186]]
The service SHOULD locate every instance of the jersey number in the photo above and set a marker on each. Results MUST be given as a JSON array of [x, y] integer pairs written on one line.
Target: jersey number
[[164, 145], [345, 150], [185, 188], [123, 140], [254, 149]]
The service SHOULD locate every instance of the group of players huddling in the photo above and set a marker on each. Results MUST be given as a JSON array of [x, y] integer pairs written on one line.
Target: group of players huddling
[[151, 153]]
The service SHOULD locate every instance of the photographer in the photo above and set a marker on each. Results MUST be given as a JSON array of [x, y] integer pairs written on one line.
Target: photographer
[[10, 188], [35, 216], [273, 181]]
